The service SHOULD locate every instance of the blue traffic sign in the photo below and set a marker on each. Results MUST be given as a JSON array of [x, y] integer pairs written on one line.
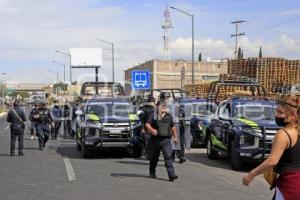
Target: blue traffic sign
[[140, 79]]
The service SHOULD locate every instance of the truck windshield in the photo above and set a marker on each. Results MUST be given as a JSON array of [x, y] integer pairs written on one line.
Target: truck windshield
[[103, 90], [255, 112], [110, 109]]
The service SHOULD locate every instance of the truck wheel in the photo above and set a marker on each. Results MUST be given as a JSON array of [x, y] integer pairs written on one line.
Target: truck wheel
[[211, 153], [236, 161], [85, 151], [79, 148]]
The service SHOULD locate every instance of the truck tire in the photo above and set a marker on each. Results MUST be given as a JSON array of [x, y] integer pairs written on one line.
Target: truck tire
[[84, 150], [79, 148], [235, 159], [211, 153]]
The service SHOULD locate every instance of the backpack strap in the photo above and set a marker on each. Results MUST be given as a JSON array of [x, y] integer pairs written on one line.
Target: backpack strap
[[17, 115], [288, 137]]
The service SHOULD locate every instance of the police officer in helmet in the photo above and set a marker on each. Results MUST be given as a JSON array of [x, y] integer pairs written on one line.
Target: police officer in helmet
[[16, 117], [32, 117], [147, 108], [57, 114], [160, 125], [44, 119]]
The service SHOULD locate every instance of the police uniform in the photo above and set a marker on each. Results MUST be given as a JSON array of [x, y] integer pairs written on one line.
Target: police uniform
[[67, 120], [43, 129], [57, 114], [17, 118], [147, 110], [162, 142], [33, 124]]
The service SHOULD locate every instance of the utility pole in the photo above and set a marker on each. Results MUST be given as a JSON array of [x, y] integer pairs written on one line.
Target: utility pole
[[237, 34]]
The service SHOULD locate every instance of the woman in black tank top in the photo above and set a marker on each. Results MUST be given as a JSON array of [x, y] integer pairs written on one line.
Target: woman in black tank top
[[285, 154]]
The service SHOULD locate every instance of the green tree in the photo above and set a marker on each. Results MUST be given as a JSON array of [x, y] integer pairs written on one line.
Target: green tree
[[200, 57], [23, 94], [60, 87], [239, 56], [260, 53]]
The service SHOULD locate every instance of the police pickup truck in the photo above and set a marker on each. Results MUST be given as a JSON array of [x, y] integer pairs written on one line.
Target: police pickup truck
[[107, 123], [243, 129]]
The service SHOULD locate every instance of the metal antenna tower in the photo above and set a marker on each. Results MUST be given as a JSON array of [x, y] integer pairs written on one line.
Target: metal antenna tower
[[166, 25]]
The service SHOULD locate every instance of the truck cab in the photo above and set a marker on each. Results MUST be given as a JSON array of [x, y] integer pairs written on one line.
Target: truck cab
[[104, 89], [243, 129]]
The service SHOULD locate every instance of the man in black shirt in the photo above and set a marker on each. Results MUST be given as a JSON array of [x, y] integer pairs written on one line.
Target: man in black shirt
[[16, 117], [44, 118], [161, 126]]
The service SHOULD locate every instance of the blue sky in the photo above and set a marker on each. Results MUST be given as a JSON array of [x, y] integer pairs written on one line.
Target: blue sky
[[32, 30]]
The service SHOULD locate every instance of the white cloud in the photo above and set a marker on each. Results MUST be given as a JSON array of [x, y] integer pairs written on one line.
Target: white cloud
[[283, 46]]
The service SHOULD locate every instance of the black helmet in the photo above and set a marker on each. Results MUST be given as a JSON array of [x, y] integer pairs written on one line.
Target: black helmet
[[16, 103], [151, 99]]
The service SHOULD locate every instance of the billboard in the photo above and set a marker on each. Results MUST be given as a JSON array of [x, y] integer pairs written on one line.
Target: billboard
[[86, 57]]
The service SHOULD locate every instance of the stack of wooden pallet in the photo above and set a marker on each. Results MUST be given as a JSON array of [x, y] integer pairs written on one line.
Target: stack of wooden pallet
[[269, 72], [198, 90]]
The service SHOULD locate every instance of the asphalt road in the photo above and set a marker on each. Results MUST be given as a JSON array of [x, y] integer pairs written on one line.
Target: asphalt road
[[60, 173]]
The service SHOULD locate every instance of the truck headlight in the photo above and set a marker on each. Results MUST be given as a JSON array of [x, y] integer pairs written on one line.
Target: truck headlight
[[252, 131], [247, 139], [94, 124]]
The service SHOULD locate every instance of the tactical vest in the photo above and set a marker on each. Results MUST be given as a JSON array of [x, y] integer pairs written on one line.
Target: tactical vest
[[44, 116], [164, 127]]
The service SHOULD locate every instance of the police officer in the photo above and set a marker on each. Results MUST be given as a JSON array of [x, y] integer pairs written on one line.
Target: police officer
[[160, 125], [44, 119], [16, 117], [147, 109], [57, 114], [33, 119], [67, 120], [181, 152]]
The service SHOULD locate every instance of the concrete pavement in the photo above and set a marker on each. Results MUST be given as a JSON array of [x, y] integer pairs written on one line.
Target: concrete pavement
[[112, 175]]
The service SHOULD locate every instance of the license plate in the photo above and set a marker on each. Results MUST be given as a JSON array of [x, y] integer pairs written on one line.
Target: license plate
[[115, 131]]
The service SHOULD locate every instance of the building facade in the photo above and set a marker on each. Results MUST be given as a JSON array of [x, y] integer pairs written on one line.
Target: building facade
[[177, 73]]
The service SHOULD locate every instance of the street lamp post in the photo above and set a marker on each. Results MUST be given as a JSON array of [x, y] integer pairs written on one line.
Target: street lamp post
[[112, 57], [55, 72], [193, 48], [59, 63], [66, 54]]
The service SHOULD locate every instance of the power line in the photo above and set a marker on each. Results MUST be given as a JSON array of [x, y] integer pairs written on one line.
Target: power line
[[276, 25]]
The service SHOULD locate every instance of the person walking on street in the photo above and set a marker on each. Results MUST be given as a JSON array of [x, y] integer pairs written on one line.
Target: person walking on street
[[57, 114], [147, 109], [16, 117], [285, 156], [33, 121], [67, 121], [44, 119], [160, 125]]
